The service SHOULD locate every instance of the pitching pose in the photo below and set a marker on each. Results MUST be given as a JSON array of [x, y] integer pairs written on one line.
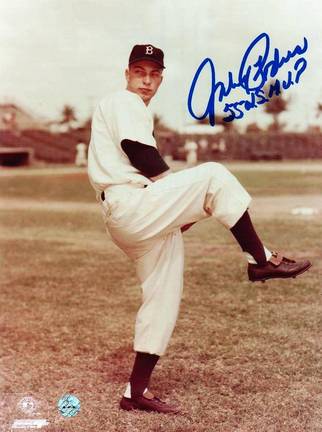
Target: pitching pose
[[146, 208]]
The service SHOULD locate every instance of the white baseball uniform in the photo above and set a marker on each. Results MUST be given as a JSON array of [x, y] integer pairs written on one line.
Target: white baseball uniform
[[145, 222]]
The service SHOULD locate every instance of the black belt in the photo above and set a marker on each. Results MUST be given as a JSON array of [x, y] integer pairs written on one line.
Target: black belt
[[103, 194]]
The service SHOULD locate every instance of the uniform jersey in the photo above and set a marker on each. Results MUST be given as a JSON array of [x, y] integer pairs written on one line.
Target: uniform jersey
[[121, 116]]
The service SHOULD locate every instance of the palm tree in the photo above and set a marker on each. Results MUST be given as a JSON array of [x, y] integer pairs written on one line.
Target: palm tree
[[68, 115], [275, 106]]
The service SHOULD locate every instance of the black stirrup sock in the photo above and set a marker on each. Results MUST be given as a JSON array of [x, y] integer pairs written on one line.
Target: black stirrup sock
[[142, 369], [244, 232]]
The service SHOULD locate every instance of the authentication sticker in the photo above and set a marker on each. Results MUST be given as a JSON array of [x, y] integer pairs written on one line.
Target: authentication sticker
[[69, 405]]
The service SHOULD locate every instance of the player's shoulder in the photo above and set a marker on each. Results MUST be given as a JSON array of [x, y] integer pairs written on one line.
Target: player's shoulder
[[117, 104], [120, 96], [121, 100]]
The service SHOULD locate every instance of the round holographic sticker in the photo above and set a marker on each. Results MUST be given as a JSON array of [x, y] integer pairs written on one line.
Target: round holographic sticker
[[69, 405]]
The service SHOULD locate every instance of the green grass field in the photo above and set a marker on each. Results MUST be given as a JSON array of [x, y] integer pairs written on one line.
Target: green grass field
[[243, 357]]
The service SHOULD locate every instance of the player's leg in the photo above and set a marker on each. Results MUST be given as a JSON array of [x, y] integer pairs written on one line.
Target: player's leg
[[186, 196], [225, 199], [160, 272], [246, 235], [243, 230], [144, 364], [161, 275], [191, 195]]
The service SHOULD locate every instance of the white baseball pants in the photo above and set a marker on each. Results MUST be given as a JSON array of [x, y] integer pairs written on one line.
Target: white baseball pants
[[145, 224]]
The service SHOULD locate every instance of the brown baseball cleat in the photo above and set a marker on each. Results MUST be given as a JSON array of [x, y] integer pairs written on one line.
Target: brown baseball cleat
[[277, 266], [149, 403]]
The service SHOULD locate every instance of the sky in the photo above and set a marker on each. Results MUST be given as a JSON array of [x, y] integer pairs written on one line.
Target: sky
[[57, 52]]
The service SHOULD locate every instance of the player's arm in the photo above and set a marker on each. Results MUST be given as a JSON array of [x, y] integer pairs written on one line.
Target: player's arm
[[146, 159]]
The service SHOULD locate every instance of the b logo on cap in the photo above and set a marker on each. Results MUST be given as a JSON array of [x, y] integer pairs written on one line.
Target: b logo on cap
[[149, 50]]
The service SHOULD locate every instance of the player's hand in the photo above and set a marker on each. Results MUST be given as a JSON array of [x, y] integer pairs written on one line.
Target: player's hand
[[187, 226]]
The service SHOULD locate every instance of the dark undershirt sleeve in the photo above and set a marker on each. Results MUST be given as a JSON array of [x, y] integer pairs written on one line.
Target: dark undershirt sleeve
[[144, 157]]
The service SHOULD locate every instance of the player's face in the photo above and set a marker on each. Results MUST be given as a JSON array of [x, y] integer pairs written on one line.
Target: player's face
[[144, 78]]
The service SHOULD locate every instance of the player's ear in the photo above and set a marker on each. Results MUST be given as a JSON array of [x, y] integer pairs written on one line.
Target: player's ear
[[127, 75]]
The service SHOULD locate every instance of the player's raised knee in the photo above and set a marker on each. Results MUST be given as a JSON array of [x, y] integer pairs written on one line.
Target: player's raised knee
[[217, 169]]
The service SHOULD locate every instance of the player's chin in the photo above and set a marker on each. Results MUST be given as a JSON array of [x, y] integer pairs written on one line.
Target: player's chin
[[146, 95]]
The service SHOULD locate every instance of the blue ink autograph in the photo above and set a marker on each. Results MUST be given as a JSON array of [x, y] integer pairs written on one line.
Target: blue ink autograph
[[251, 77]]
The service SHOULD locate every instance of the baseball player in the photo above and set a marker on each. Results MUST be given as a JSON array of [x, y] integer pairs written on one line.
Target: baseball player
[[146, 207]]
